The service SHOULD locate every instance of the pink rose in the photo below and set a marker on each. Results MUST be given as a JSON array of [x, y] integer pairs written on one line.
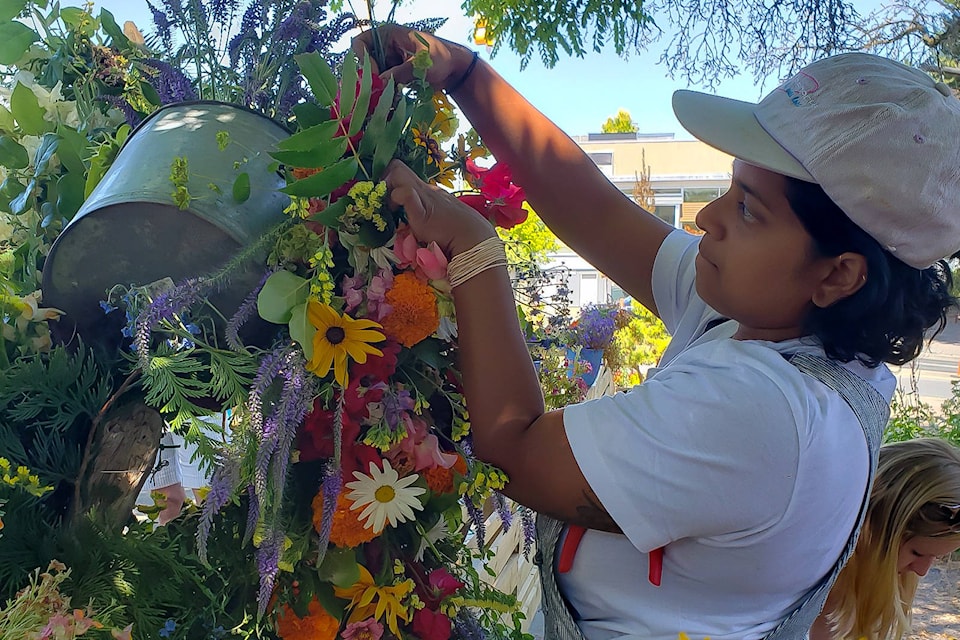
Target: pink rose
[[431, 625]]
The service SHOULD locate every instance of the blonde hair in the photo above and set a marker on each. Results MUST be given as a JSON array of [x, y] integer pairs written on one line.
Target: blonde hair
[[914, 480]]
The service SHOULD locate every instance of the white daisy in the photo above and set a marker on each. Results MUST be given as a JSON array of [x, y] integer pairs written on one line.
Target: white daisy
[[435, 534], [385, 495]]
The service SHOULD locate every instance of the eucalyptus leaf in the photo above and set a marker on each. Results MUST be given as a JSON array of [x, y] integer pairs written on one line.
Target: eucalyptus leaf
[[20, 204], [26, 109], [12, 154], [378, 121], [363, 100], [301, 330], [241, 188], [322, 184], [348, 83], [15, 39], [319, 76], [340, 567], [316, 158], [312, 138], [47, 214], [387, 145], [280, 294], [10, 9], [48, 146]]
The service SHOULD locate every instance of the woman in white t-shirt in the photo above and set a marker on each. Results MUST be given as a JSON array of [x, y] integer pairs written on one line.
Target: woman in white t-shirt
[[728, 477], [913, 519]]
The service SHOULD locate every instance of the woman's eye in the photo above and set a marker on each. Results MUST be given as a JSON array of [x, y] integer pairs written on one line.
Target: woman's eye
[[745, 213]]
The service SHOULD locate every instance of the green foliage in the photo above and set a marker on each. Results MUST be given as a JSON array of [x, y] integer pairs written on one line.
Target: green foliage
[[641, 342], [560, 25], [620, 123], [531, 241]]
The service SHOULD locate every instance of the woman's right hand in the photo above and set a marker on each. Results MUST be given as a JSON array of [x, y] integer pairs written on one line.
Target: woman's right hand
[[400, 45]]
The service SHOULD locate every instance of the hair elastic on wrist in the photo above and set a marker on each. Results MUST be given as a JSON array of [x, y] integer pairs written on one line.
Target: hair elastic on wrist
[[466, 74], [482, 256]]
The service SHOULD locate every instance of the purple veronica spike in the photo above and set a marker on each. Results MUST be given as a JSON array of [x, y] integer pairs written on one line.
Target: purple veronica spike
[[244, 313], [170, 83], [503, 510], [222, 485], [331, 487], [268, 445], [269, 368], [268, 566], [529, 530], [476, 517], [164, 307], [327, 36], [253, 514], [132, 117], [296, 401], [247, 32], [467, 627], [162, 22], [222, 10]]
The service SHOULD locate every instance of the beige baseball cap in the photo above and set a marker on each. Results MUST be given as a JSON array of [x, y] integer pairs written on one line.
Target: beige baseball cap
[[882, 139]]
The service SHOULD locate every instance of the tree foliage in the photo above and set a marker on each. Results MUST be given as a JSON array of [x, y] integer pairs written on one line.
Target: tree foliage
[[622, 122], [705, 40]]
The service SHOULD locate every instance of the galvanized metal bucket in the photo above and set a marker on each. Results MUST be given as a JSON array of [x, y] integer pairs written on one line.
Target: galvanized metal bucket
[[130, 231]]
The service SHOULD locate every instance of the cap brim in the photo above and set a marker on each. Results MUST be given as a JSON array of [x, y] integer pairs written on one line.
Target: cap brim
[[731, 126]]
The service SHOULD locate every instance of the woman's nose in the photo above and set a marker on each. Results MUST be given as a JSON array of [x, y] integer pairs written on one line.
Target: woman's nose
[[921, 566], [707, 218]]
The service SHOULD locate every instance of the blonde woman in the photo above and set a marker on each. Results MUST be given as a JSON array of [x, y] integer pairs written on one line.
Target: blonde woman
[[913, 519]]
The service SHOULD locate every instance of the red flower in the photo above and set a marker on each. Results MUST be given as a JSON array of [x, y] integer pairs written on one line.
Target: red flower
[[499, 200], [315, 441], [377, 368], [431, 625], [376, 90], [443, 584]]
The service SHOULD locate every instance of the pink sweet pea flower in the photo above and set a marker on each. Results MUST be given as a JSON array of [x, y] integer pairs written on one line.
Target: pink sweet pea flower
[[422, 447], [431, 625], [368, 629], [499, 201], [352, 287], [405, 247], [432, 262], [377, 308]]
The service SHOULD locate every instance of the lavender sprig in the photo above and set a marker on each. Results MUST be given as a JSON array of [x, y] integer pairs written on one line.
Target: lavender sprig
[[332, 481], [162, 22], [503, 510], [476, 517], [164, 307], [268, 566], [253, 514], [170, 83], [267, 372], [244, 313], [529, 530]]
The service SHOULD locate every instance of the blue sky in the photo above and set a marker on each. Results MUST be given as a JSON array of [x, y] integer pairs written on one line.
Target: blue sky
[[577, 94]]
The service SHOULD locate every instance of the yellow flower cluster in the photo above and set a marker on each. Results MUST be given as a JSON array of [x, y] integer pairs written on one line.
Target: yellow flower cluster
[[487, 478], [367, 202], [298, 208], [22, 479], [322, 285]]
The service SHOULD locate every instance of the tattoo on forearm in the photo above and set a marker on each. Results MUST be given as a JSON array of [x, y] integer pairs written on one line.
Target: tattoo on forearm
[[592, 515]]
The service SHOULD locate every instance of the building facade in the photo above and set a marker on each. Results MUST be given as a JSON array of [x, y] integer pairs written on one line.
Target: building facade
[[684, 175]]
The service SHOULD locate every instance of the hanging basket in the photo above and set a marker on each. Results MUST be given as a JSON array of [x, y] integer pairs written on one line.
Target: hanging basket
[[131, 231]]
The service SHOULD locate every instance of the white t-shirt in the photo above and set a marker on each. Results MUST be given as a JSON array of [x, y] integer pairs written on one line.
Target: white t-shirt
[[748, 471]]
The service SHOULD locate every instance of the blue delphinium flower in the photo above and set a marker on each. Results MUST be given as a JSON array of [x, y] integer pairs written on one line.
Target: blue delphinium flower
[[167, 630]]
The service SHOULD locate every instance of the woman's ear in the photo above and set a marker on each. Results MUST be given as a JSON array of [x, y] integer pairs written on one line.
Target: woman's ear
[[846, 274]]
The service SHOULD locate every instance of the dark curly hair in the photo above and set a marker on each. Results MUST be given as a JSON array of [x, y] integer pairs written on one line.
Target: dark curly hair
[[888, 318]]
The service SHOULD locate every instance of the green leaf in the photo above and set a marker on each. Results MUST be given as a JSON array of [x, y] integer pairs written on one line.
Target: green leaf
[[19, 204], [15, 39], [372, 237], [280, 294], [348, 83], [12, 154], [9, 190], [330, 217], [323, 184], [72, 150], [79, 20], [319, 76], [378, 121], [301, 330], [10, 9], [309, 114], [112, 29], [26, 109], [340, 567], [70, 198], [311, 139], [48, 146], [363, 100], [7, 123], [387, 146], [241, 188], [150, 94], [314, 159]]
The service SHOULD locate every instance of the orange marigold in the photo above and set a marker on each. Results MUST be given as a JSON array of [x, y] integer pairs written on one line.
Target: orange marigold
[[440, 480], [300, 173], [318, 625], [414, 315], [348, 531]]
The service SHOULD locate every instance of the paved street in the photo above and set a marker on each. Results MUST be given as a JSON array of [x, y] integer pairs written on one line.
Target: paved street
[[936, 367]]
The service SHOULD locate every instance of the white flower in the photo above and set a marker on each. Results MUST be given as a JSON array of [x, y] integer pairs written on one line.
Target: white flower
[[435, 534], [385, 496]]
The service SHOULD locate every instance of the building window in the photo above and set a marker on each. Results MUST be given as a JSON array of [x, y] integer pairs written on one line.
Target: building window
[[701, 194], [589, 293], [602, 158], [667, 213]]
